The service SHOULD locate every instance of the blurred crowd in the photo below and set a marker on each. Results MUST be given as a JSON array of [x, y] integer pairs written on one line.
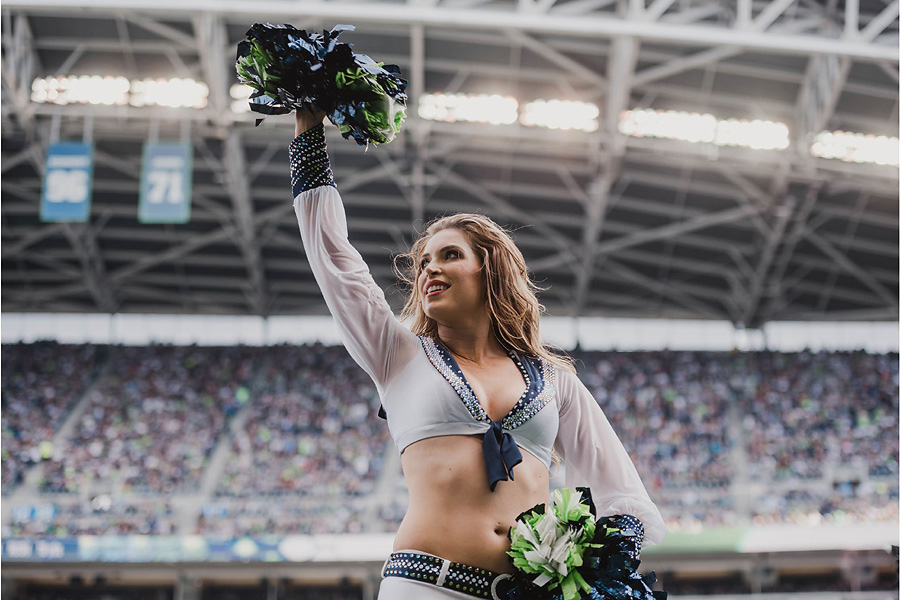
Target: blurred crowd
[[314, 431], [817, 432], [153, 420], [804, 410], [670, 409], [41, 383], [230, 518], [101, 515]]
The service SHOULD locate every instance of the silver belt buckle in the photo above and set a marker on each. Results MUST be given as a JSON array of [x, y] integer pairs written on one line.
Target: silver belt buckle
[[494, 583]]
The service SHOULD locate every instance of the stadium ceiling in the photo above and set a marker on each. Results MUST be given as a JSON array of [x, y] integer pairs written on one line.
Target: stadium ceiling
[[611, 225]]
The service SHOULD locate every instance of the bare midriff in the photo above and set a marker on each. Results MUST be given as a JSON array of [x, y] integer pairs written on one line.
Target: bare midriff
[[452, 511]]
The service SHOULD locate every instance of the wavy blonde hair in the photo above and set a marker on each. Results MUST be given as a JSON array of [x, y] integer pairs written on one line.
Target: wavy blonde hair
[[511, 294]]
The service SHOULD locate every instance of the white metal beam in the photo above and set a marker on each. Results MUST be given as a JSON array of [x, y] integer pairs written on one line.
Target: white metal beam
[[851, 267], [643, 236], [851, 19], [236, 176], [563, 244], [430, 16], [83, 239], [211, 40], [176, 36], [684, 63], [668, 292], [783, 216], [819, 95], [874, 27], [770, 13], [777, 281], [556, 57]]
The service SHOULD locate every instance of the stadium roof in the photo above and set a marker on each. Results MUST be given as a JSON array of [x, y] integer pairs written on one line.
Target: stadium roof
[[611, 224]]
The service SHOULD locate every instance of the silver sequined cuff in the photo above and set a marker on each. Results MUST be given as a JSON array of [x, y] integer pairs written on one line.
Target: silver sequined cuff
[[310, 167]]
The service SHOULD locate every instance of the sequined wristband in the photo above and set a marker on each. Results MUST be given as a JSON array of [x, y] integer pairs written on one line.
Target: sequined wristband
[[633, 523], [310, 167]]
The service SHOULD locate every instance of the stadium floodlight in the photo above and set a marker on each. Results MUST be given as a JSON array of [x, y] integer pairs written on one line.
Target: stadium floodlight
[[704, 128], [118, 91], [85, 89], [240, 96], [857, 147], [174, 93], [561, 114], [482, 108], [756, 134]]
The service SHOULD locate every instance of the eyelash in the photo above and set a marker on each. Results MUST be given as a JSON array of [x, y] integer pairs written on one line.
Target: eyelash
[[446, 255]]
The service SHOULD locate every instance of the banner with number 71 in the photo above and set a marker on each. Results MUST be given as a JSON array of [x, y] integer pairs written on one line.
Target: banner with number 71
[[166, 175]]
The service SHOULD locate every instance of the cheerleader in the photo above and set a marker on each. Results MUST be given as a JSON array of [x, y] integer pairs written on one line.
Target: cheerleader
[[475, 403]]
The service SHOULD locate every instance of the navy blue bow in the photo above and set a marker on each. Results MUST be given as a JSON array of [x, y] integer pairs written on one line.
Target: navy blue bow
[[500, 454]]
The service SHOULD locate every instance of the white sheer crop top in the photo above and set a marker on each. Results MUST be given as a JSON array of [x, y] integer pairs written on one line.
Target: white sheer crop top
[[422, 389]]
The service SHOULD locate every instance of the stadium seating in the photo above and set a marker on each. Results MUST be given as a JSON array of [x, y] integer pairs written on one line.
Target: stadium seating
[[302, 450]]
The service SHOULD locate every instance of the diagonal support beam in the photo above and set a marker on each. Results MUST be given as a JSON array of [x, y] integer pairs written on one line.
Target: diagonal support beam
[[595, 209], [685, 63], [881, 21], [698, 307], [239, 188], [28, 154], [822, 85], [211, 39], [620, 70], [84, 242], [783, 216], [276, 213], [657, 9], [563, 244], [674, 230], [30, 239], [851, 267], [650, 235], [21, 63], [751, 195], [556, 57], [598, 26], [770, 13], [778, 281], [177, 36]]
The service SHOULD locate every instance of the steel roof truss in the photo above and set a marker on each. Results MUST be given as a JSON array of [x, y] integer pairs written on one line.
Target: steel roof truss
[[851, 267], [783, 215], [236, 175]]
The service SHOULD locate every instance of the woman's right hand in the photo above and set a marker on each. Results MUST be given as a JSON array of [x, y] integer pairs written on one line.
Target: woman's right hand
[[306, 120]]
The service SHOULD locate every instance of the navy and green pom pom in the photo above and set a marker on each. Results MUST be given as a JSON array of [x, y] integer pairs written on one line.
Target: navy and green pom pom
[[289, 68], [565, 552]]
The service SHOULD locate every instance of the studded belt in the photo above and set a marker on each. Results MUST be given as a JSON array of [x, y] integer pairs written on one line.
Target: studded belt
[[441, 572]]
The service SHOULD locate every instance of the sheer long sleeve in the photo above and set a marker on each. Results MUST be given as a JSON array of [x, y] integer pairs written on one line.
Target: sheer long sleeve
[[373, 336], [596, 458]]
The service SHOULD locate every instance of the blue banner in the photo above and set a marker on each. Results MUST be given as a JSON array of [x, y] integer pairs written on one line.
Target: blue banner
[[68, 177], [196, 548], [166, 173], [24, 513]]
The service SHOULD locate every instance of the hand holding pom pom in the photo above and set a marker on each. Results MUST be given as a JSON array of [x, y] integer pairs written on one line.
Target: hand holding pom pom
[[567, 553], [305, 120], [290, 69]]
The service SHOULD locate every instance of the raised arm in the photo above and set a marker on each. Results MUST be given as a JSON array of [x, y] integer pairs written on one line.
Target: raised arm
[[373, 336], [596, 458]]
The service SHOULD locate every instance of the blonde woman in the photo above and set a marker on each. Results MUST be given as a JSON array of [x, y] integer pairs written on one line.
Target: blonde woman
[[474, 402]]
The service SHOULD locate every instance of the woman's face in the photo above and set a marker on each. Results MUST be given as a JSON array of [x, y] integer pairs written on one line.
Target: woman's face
[[451, 281]]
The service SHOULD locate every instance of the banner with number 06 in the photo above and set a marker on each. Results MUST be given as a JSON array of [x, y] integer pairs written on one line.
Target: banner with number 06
[[68, 178]]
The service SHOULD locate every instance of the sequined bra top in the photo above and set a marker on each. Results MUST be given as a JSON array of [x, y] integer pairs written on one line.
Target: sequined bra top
[[432, 398]]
